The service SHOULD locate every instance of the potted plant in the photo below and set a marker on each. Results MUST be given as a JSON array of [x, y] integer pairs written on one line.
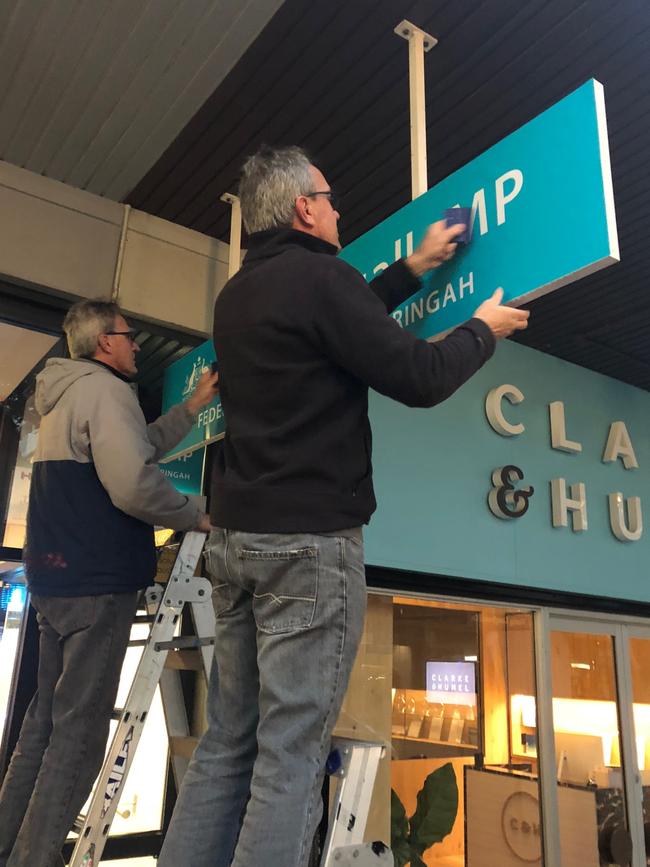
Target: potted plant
[[434, 817]]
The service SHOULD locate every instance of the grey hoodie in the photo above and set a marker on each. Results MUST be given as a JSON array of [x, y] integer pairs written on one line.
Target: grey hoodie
[[96, 488]]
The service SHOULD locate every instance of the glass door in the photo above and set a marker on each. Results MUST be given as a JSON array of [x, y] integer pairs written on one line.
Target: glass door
[[638, 652], [597, 807]]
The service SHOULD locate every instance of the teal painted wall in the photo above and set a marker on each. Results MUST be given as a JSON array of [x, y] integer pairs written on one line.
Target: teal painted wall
[[433, 473]]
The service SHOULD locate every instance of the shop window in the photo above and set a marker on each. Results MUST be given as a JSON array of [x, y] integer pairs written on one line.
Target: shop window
[[640, 664], [450, 690], [16, 515], [12, 609], [23, 352]]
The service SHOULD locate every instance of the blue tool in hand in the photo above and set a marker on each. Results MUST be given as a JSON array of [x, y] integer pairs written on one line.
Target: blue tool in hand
[[454, 216]]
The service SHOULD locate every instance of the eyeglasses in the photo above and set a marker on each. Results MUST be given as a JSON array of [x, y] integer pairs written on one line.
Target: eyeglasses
[[130, 334], [331, 195]]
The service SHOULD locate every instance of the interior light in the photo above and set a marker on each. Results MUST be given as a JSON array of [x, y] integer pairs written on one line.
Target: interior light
[[524, 709], [471, 659], [162, 536], [584, 666]]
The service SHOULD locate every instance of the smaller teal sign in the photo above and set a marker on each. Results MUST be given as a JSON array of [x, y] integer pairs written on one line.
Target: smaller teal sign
[[186, 473], [179, 383], [542, 216]]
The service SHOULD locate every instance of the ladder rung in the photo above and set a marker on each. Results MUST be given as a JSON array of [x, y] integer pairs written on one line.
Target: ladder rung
[[144, 618], [184, 660], [140, 642], [79, 822], [117, 713], [182, 747], [183, 642]]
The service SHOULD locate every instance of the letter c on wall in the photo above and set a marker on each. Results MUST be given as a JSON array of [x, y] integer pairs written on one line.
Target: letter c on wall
[[494, 412]]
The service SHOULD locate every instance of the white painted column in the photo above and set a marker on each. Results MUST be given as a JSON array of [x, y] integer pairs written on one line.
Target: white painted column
[[117, 276], [419, 43], [234, 255]]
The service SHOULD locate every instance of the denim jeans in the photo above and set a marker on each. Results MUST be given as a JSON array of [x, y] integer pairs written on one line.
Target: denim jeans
[[63, 737], [290, 612]]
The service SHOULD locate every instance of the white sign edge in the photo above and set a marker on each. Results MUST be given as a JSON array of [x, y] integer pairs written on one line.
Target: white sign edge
[[606, 168], [179, 453]]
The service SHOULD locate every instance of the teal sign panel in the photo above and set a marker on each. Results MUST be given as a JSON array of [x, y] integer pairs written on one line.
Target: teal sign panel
[[179, 382], [542, 217], [434, 468], [186, 473]]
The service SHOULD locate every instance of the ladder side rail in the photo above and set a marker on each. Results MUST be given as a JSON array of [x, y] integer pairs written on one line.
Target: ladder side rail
[[205, 627], [353, 795]]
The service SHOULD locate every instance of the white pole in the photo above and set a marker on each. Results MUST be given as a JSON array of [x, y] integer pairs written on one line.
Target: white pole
[[419, 42], [117, 273], [234, 254]]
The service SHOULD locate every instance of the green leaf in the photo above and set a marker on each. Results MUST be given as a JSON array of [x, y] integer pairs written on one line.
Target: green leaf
[[437, 806], [402, 853], [399, 831]]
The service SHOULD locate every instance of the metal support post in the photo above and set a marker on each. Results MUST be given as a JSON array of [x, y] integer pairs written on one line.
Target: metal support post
[[546, 741], [119, 262], [234, 254], [419, 42]]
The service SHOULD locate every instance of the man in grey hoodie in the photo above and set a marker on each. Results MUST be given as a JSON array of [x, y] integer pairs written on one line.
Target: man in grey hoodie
[[96, 493]]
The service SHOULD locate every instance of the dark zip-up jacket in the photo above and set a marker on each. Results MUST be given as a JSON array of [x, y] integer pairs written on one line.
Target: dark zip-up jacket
[[300, 336]]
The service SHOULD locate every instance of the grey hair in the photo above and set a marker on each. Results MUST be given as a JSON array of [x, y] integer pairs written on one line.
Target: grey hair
[[83, 324], [271, 181]]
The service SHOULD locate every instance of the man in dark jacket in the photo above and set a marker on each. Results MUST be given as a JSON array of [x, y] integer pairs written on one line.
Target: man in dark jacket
[[300, 337], [95, 493]]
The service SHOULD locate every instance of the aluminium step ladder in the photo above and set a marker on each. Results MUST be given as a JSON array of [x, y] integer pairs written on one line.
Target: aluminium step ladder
[[164, 606], [352, 763]]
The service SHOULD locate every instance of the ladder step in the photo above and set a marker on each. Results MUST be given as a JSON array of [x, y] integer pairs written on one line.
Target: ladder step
[[117, 713], [140, 642], [182, 747], [79, 822], [183, 642], [144, 618], [184, 660]]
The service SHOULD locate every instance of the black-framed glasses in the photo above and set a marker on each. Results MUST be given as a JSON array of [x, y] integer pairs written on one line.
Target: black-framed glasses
[[130, 333], [335, 201]]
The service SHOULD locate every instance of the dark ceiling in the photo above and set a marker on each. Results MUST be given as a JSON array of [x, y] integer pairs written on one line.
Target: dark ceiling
[[334, 78]]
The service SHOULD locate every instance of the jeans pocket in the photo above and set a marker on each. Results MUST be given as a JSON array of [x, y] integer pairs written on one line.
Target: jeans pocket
[[221, 598], [286, 587], [68, 614], [213, 557]]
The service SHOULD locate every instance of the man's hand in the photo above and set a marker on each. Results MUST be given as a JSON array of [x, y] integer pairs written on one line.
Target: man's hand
[[501, 321], [436, 247], [204, 525], [205, 391]]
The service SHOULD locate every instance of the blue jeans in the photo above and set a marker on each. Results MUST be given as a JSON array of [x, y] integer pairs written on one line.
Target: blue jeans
[[290, 612], [63, 737]]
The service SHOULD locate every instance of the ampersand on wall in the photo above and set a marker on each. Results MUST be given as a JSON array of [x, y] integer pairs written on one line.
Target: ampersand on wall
[[504, 499]]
